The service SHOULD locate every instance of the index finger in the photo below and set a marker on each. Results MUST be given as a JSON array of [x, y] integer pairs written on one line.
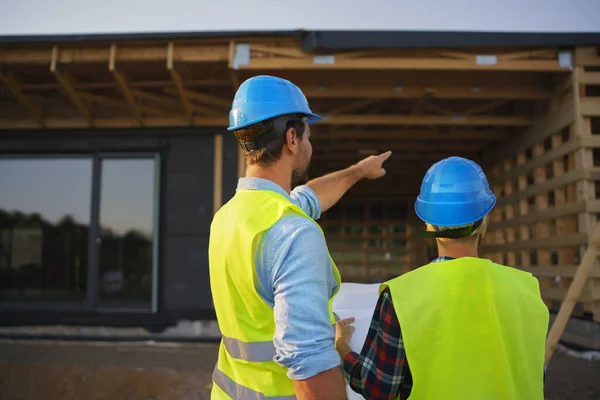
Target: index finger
[[386, 155], [346, 321]]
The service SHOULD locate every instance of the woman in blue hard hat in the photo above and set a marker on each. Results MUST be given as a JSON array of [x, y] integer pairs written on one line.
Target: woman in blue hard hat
[[460, 327], [271, 276]]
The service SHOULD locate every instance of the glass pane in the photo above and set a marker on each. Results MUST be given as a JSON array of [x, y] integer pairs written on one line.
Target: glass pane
[[126, 231], [44, 220]]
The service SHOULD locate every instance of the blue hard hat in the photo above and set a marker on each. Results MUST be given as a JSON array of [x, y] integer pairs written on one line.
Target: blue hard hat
[[262, 97], [454, 192]]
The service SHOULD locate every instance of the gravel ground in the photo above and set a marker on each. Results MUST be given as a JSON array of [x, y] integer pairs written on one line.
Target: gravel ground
[[76, 371]]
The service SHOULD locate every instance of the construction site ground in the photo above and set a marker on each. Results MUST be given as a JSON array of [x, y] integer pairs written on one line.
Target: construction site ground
[[43, 370]]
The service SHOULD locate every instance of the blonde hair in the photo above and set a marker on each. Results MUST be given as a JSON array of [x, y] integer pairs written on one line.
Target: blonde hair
[[478, 233]]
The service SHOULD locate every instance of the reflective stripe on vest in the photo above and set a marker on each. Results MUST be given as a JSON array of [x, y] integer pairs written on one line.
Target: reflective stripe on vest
[[254, 352], [240, 392]]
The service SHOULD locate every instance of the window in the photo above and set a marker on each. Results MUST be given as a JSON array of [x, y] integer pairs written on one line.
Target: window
[[126, 232], [44, 227], [79, 231]]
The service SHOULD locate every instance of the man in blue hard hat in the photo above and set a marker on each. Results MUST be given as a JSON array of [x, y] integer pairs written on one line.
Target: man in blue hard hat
[[461, 327], [271, 275]]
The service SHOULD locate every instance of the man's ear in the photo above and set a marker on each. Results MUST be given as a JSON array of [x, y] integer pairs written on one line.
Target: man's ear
[[291, 140]]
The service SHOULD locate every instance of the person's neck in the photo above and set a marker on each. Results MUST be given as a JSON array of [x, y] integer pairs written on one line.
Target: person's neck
[[457, 250], [276, 173]]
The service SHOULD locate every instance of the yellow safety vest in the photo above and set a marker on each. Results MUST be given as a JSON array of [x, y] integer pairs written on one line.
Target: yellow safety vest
[[472, 330], [245, 367]]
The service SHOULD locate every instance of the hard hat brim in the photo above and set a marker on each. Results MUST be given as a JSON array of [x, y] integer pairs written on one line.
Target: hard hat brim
[[312, 119]]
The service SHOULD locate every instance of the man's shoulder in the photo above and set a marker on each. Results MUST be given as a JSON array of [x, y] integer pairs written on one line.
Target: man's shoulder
[[291, 224]]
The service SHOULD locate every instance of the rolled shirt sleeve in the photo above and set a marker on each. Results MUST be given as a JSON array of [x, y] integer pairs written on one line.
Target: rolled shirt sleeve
[[305, 198]]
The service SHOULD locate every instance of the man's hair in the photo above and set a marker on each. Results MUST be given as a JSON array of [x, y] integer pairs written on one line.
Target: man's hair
[[273, 150], [472, 239]]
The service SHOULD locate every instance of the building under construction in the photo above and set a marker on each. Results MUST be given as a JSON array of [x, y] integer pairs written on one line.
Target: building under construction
[[114, 157]]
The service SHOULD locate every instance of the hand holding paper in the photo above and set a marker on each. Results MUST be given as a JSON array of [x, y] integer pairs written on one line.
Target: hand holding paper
[[343, 334]]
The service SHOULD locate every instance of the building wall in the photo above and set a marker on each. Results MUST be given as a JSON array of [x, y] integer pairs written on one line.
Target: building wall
[[186, 210]]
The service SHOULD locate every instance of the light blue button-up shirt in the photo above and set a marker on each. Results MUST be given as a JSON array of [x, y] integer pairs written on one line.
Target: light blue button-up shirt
[[295, 279]]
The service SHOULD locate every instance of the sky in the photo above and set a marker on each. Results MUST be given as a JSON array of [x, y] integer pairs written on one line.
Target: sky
[[56, 187], [34, 17]]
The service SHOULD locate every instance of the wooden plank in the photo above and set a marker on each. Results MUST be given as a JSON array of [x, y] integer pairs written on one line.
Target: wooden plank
[[10, 81], [209, 99], [542, 128], [73, 123], [394, 63], [565, 271], [406, 145], [543, 215], [587, 56], [590, 107], [67, 85], [485, 107], [218, 173], [589, 78], [574, 239], [80, 53], [575, 289], [313, 91], [544, 159], [587, 294], [142, 84], [280, 51], [122, 82], [482, 120], [108, 101], [185, 102], [353, 106], [570, 177], [415, 134]]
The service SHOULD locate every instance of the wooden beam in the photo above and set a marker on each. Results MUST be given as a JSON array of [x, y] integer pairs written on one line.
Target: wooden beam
[[185, 102], [572, 176], [543, 127], [587, 56], [566, 308], [485, 107], [209, 99], [353, 106], [162, 100], [548, 214], [542, 160], [589, 78], [407, 146], [481, 120], [40, 87], [399, 63], [122, 82], [435, 108], [108, 101], [415, 92], [416, 134], [128, 52], [123, 122], [10, 81], [572, 239], [198, 108], [590, 107], [564, 271], [67, 85]]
